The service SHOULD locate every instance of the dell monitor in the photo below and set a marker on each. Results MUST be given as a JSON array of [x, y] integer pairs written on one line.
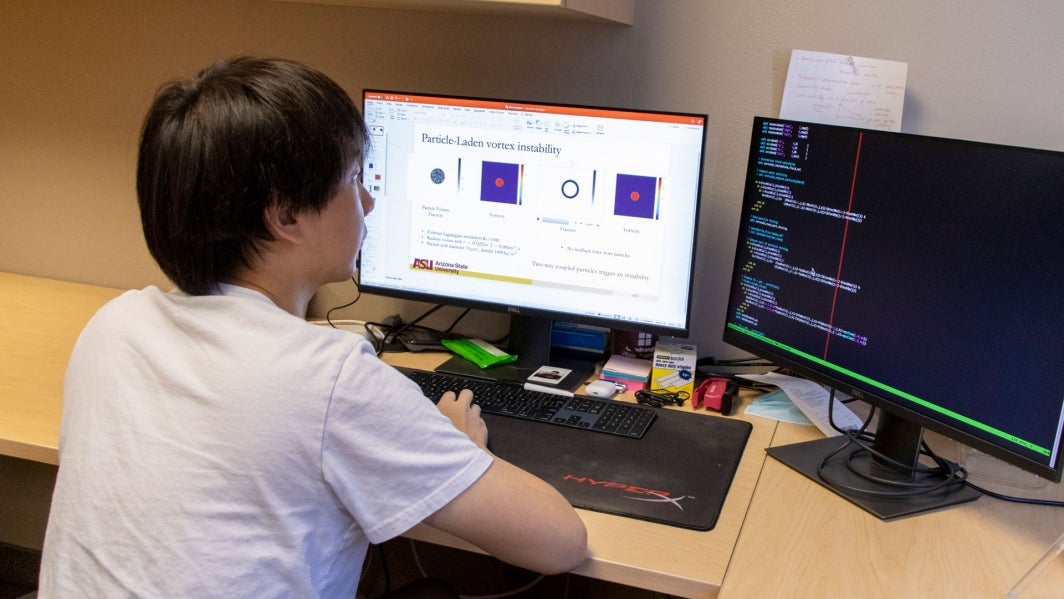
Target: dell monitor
[[542, 211], [920, 274]]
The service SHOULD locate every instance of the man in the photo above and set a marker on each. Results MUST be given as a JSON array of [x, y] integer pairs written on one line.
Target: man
[[213, 443]]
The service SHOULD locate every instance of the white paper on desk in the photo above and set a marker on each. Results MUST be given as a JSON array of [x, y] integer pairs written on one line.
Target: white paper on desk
[[837, 89], [812, 400]]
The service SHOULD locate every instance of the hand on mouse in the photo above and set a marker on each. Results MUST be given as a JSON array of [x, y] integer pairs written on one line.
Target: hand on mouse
[[465, 415]]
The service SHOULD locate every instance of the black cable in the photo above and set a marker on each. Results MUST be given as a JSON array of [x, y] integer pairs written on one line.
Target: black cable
[[946, 475], [358, 296], [385, 334], [831, 414], [661, 397], [424, 315], [391, 333], [395, 331], [948, 469], [951, 473], [456, 321], [1014, 499], [377, 338], [446, 333]]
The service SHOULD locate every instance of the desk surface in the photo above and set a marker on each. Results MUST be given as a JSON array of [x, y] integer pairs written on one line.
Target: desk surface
[[800, 540], [42, 319], [779, 535]]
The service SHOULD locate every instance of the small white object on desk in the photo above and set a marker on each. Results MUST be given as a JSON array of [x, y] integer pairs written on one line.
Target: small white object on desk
[[604, 389]]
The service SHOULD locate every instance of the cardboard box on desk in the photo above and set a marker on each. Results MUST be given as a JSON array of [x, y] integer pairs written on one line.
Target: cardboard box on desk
[[674, 367]]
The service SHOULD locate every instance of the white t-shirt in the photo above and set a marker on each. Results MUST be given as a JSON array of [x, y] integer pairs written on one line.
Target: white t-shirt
[[219, 446]]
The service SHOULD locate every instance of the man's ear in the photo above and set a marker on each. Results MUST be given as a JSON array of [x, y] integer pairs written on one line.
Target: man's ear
[[284, 223]]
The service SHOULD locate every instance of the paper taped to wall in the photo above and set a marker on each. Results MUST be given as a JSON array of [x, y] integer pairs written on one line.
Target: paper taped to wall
[[837, 89]]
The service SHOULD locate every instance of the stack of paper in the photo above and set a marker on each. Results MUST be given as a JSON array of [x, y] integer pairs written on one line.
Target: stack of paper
[[812, 399], [632, 372]]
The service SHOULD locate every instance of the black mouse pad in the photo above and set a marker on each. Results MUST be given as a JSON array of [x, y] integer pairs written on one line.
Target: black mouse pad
[[678, 474]]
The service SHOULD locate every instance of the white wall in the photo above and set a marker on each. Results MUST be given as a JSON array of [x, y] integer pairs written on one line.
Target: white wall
[[76, 77]]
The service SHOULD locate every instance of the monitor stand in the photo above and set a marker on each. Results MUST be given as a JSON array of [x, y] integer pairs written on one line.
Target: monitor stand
[[530, 340], [847, 477]]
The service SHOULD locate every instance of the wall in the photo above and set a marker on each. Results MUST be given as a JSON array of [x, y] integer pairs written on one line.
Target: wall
[[77, 78]]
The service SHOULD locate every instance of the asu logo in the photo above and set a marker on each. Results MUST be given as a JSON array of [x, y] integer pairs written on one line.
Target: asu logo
[[423, 264]]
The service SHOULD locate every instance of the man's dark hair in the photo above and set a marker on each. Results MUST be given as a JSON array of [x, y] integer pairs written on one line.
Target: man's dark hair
[[218, 148]]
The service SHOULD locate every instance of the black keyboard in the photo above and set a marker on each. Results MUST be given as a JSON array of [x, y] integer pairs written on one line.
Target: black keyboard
[[585, 413]]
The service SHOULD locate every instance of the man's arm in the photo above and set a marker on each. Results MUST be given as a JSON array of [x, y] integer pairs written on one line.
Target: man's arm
[[517, 518], [509, 512]]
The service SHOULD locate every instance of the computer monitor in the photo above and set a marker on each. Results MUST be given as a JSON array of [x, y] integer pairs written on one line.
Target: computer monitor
[[542, 211], [920, 274]]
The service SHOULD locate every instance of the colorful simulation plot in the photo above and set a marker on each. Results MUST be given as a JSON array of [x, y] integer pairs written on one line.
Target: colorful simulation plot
[[636, 196], [500, 182]]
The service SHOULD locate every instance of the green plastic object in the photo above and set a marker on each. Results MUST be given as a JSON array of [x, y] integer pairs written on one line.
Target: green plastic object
[[479, 352]]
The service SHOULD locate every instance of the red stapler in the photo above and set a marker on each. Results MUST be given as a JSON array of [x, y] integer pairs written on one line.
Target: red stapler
[[716, 393]]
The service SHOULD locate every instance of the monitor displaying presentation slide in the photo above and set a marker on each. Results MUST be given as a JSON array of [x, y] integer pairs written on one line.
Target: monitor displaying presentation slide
[[583, 214]]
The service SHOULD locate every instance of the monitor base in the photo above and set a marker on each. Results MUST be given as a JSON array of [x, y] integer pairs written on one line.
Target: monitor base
[[806, 457]]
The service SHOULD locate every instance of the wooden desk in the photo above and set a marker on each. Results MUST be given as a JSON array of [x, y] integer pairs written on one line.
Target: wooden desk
[[41, 320], [801, 540], [779, 535]]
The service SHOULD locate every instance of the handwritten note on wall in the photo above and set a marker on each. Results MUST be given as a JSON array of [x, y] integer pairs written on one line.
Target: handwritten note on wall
[[844, 90]]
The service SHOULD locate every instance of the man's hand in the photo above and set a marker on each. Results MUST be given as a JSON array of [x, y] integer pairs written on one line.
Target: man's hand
[[465, 415]]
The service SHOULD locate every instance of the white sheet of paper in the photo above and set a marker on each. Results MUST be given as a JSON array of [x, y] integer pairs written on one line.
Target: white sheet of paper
[[837, 89], [812, 400]]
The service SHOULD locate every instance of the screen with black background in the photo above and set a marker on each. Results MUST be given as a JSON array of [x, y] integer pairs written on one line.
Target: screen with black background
[[923, 270]]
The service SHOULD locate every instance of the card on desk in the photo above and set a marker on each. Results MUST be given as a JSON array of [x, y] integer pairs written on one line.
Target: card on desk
[[678, 474]]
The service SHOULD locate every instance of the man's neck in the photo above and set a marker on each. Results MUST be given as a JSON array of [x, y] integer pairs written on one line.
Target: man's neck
[[290, 297]]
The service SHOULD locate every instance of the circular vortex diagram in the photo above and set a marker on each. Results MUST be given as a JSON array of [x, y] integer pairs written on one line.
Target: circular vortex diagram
[[570, 189], [437, 176]]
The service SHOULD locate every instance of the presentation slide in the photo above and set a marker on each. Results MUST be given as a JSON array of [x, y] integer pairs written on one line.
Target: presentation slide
[[518, 211], [557, 210]]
